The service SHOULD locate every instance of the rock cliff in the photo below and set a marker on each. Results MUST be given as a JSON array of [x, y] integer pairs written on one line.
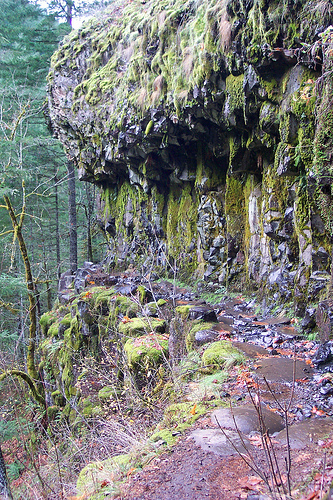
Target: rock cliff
[[208, 127]]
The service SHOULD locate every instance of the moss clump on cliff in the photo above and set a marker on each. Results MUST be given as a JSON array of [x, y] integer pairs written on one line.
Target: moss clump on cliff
[[181, 229], [235, 95], [235, 207]]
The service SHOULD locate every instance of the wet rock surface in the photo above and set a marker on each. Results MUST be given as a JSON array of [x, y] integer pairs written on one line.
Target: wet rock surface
[[245, 419], [225, 443], [277, 369], [301, 434]]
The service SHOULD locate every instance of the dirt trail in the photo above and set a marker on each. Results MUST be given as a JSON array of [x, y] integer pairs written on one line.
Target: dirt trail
[[190, 472]]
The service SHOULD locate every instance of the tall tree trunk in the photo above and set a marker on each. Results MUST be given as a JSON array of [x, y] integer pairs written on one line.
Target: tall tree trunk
[[69, 11], [5, 492], [72, 218], [31, 377], [57, 227], [17, 226]]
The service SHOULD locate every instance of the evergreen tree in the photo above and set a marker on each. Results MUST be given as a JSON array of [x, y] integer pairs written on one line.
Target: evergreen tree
[[28, 37], [68, 9]]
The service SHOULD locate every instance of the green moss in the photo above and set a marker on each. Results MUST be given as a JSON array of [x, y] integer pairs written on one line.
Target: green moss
[[46, 321], [127, 306], [221, 354], [183, 311], [66, 320], [197, 326], [142, 293], [58, 398], [53, 412], [182, 415], [107, 392], [149, 127], [234, 206], [235, 94], [141, 326], [165, 435], [181, 227], [272, 88], [53, 329], [146, 352], [94, 480], [101, 296]]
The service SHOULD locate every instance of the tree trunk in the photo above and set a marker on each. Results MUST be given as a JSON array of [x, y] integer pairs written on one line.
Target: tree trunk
[[17, 226], [72, 218], [57, 227], [69, 11], [5, 492]]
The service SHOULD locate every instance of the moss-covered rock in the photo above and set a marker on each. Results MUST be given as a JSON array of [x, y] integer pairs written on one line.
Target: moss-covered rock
[[196, 327], [146, 352], [182, 415], [221, 354], [106, 393], [184, 310], [133, 327], [98, 479], [46, 321]]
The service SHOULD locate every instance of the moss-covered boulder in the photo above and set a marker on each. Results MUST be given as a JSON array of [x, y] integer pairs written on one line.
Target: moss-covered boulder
[[146, 352], [133, 327], [108, 392], [46, 320], [221, 354], [196, 327], [184, 310]]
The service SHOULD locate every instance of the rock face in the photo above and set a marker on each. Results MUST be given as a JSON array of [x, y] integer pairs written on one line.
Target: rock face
[[197, 121]]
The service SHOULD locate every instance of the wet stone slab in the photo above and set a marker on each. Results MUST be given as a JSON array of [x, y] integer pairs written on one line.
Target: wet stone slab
[[273, 321], [215, 441], [282, 369], [288, 332], [246, 419], [251, 350], [306, 432]]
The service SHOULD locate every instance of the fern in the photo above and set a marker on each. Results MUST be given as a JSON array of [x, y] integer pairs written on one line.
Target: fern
[[11, 285], [14, 428]]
